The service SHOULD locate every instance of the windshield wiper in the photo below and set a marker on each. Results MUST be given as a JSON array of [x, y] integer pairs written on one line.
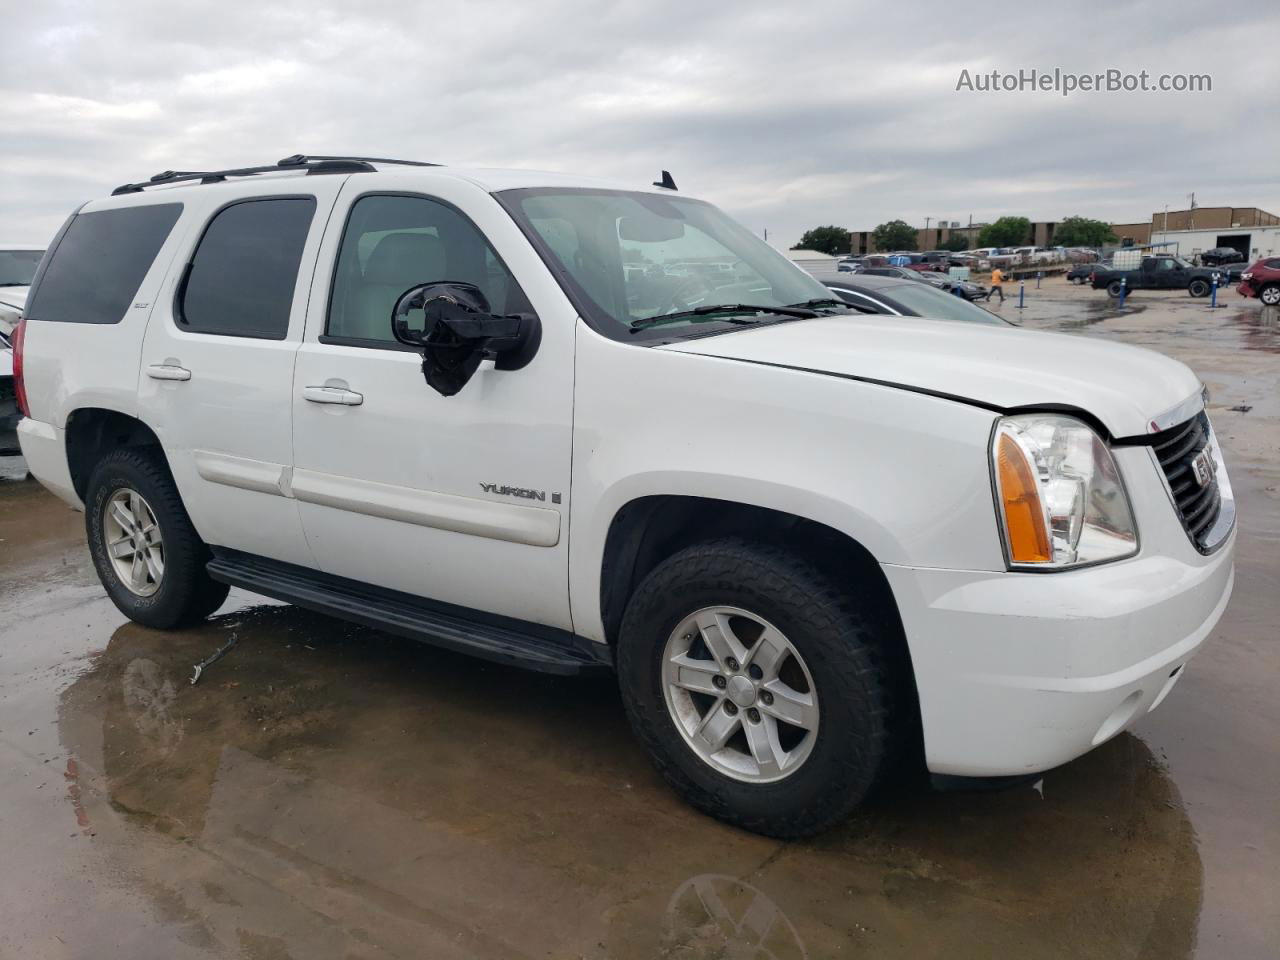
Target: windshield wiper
[[710, 310], [820, 302]]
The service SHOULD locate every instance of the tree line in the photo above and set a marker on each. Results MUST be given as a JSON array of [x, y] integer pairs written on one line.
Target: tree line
[[1005, 232]]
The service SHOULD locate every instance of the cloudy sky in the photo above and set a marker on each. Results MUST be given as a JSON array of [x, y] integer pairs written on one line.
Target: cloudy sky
[[788, 115]]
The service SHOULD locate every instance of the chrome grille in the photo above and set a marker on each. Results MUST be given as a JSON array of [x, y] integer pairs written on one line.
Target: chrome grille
[[1195, 496]]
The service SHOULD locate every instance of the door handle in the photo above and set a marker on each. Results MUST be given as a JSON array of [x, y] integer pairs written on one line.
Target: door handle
[[327, 394], [168, 371]]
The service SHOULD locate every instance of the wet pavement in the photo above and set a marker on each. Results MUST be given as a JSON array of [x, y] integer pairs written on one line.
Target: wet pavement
[[327, 791]]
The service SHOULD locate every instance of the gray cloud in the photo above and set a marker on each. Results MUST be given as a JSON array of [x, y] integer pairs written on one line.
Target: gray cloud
[[788, 116]]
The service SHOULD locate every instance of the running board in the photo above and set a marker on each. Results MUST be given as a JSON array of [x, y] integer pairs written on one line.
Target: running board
[[500, 639]]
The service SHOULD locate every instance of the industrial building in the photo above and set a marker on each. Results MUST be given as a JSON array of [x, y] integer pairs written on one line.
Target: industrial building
[[1252, 231]]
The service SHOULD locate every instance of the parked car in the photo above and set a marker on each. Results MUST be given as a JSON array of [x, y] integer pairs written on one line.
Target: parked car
[[907, 298], [1221, 255], [18, 264], [961, 288], [1081, 272], [1158, 273], [1262, 280], [813, 544]]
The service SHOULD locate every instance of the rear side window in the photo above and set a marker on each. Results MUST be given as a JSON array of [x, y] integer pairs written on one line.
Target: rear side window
[[100, 263], [241, 280]]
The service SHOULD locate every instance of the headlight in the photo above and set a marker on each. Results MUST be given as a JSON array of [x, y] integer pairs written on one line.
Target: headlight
[[1058, 494]]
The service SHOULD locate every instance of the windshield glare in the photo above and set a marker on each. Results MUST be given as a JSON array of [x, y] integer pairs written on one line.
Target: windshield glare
[[18, 267], [631, 256], [929, 301]]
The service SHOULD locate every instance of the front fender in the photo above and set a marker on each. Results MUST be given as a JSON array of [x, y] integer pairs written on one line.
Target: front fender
[[904, 474]]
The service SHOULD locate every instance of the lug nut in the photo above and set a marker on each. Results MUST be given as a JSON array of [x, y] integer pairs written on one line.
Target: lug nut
[[730, 707], [753, 715], [755, 671], [766, 697], [719, 682], [731, 663]]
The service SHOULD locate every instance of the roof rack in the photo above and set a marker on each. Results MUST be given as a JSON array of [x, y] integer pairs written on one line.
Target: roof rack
[[312, 165]]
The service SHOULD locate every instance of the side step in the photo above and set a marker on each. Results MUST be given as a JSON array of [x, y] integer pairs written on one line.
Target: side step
[[501, 639]]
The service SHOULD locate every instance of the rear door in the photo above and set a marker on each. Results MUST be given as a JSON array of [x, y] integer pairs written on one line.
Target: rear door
[[217, 361]]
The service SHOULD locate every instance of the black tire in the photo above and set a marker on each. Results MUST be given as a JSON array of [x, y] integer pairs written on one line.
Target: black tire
[[1114, 288], [1198, 288], [186, 593], [1270, 294], [839, 642]]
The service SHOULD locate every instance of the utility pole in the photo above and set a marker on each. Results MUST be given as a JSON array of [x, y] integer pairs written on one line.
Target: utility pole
[[1192, 224]]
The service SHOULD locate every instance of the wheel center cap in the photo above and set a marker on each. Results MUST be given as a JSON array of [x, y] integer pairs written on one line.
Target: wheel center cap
[[742, 691]]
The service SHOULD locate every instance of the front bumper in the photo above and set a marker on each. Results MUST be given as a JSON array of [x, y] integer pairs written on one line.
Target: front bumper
[[1247, 289], [1021, 672]]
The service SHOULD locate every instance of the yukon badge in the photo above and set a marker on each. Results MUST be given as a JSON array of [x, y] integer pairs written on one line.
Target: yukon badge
[[525, 493]]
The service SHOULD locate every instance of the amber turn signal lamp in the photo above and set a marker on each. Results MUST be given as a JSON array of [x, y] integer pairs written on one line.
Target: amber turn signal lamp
[[1020, 497]]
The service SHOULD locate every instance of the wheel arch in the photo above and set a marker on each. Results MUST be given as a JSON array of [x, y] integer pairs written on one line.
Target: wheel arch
[[92, 432], [648, 529]]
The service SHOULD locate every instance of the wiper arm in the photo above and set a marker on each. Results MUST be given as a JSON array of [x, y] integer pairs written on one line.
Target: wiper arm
[[820, 302], [710, 310]]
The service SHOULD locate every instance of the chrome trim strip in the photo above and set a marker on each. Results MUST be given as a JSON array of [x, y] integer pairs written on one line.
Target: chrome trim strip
[[1181, 413]]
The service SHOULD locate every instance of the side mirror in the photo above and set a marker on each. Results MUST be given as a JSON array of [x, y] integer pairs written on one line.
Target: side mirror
[[458, 331]]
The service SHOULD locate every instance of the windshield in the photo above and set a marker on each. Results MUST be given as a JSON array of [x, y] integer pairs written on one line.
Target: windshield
[[17, 267], [928, 301], [624, 258]]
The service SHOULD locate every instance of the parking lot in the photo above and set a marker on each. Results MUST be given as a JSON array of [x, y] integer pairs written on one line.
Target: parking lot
[[327, 791]]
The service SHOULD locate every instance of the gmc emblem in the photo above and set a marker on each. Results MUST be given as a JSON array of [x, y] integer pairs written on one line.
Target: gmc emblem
[[1202, 468]]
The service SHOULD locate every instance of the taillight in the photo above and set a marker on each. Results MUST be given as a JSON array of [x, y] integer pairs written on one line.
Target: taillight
[[20, 391]]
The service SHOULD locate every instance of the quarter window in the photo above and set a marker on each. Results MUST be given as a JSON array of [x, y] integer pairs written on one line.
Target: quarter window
[[393, 243], [100, 263], [241, 281]]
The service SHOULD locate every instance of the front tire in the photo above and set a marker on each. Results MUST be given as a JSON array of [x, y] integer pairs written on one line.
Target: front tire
[[1198, 288], [1270, 294], [148, 555], [758, 686]]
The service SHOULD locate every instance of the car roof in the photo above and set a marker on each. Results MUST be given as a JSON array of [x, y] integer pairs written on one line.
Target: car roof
[[285, 177]]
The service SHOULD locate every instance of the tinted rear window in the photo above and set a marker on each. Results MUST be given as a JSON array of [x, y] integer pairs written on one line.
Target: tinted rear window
[[245, 269], [100, 262]]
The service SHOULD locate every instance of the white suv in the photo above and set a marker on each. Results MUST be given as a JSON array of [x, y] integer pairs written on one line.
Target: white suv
[[574, 425]]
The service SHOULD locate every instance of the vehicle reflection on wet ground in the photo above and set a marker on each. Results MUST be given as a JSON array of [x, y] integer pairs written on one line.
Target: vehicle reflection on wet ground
[[327, 791]]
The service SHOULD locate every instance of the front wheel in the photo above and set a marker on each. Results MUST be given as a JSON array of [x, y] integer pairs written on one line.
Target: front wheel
[[1198, 288], [758, 687], [148, 555], [1270, 294], [1115, 288]]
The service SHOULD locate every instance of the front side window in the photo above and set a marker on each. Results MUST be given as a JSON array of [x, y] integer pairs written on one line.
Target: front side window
[[392, 243], [100, 263], [627, 258], [241, 280]]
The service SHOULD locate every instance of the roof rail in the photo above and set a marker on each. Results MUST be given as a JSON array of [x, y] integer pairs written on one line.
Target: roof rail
[[313, 165], [299, 158]]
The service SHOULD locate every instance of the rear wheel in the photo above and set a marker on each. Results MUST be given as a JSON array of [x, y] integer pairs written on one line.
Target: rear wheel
[[758, 687], [1270, 294], [148, 555], [1198, 288]]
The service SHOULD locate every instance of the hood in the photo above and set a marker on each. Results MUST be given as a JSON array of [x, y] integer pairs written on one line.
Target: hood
[[1124, 387]]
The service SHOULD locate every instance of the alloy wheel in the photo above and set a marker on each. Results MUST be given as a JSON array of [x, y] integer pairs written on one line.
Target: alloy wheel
[[740, 694], [133, 542]]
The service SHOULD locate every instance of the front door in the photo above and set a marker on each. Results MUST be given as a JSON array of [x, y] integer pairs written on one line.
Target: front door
[[217, 363], [461, 499]]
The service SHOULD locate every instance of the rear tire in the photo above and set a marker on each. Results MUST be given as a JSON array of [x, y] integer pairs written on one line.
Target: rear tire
[[1198, 288], [1270, 294], [840, 657], [147, 553]]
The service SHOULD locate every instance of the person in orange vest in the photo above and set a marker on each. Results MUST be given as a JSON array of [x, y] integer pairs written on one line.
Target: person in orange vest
[[997, 283]]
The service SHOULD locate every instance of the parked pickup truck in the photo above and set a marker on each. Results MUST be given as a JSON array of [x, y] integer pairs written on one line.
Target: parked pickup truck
[[817, 545], [1160, 273]]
